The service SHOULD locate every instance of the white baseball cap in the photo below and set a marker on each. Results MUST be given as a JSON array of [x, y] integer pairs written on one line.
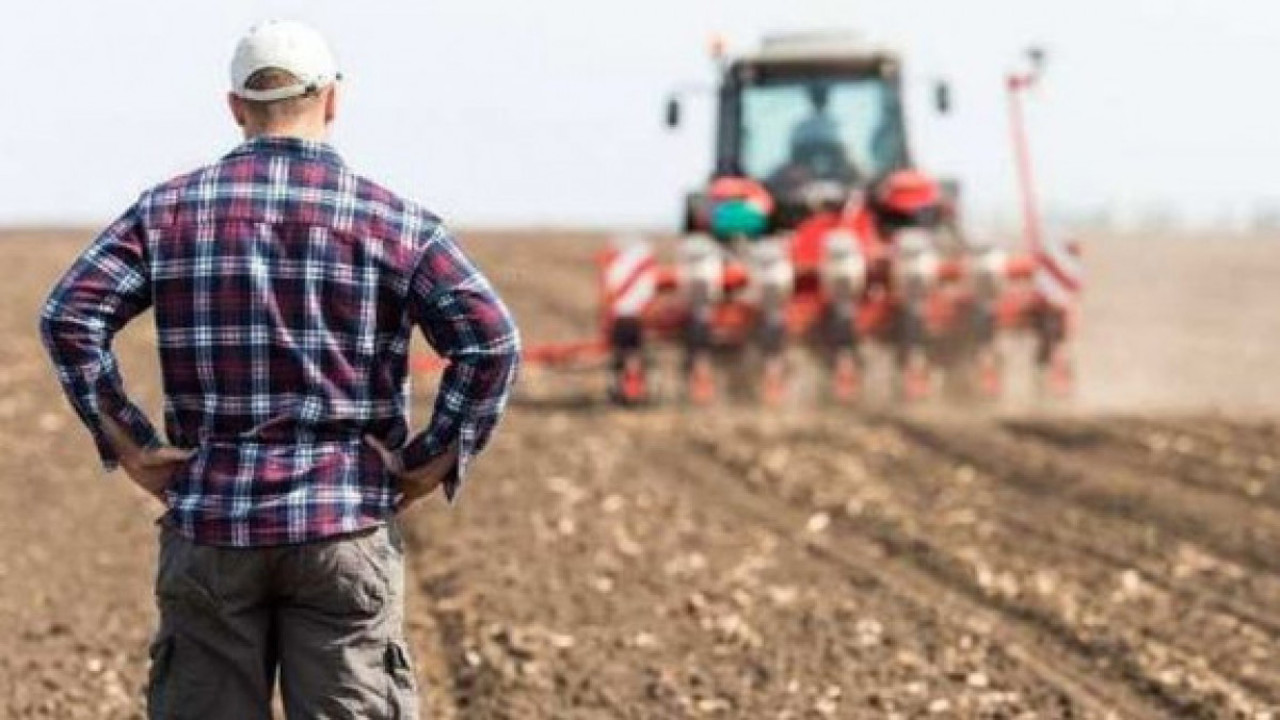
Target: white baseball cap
[[284, 45]]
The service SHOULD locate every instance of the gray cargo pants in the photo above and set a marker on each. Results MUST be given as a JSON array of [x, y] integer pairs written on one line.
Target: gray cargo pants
[[328, 616]]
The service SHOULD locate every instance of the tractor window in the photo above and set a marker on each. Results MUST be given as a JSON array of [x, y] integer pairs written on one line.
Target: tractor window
[[843, 129]]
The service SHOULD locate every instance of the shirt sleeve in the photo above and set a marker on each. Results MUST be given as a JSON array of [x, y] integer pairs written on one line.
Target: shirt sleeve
[[105, 288], [467, 324]]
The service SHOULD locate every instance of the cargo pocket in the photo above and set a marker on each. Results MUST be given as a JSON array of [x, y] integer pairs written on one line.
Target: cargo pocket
[[402, 689], [342, 579], [158, 679]]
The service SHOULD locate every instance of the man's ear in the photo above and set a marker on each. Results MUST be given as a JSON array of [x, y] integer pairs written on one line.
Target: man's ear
[[331, 104], [237, 109]]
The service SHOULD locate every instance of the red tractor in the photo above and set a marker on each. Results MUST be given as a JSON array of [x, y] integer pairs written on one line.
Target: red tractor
[[816, 229]]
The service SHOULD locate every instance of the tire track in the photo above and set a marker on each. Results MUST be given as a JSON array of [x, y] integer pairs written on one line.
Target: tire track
[[929, 584], [1261, 683], [1158, 451], [1207, 519], [1246, 689], [1072, 551], [1259, 436], [667, 519], [1098, 544]]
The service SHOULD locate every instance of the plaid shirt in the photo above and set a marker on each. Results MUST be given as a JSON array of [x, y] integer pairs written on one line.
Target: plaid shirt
[[285, 290]]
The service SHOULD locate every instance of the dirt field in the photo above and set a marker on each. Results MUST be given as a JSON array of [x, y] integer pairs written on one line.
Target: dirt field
[[1115, 559]]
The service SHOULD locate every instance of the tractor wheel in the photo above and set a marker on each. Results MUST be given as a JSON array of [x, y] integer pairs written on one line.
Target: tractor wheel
[[846, 377], [914, 367], [1055, 379], [990, 374], [988, 370], [700, 381], [773, 384], [1055, 374], [842, 342], [916, 383], [772, 341], [629, 382]]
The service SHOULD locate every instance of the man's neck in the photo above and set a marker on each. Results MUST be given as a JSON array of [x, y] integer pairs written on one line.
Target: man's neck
[[311, 134]]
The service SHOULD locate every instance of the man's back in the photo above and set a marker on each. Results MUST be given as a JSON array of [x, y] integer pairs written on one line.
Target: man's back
[[285, 290]]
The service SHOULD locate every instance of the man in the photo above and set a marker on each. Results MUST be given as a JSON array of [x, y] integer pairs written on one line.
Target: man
[[818, 128], [285, 288], [815, 140]]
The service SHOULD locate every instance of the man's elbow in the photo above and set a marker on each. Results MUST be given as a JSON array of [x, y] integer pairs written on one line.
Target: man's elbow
[[49, 325], [61, 327], [504, 358], [504, 361], [514, 348]]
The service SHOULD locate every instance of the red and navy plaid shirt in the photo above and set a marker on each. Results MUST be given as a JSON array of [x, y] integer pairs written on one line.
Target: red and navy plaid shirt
[[285, 290]]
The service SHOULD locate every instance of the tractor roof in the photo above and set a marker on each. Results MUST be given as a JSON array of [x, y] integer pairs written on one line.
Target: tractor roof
[[819, 46]]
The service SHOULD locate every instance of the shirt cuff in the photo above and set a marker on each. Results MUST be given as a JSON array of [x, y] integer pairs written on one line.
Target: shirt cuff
[[134, 422], [429, 445]]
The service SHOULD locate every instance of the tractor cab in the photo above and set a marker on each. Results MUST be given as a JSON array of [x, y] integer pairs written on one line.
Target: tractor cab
[[812, 117]]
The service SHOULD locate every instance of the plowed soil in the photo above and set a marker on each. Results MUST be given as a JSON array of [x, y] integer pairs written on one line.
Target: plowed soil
[[1118, 557]]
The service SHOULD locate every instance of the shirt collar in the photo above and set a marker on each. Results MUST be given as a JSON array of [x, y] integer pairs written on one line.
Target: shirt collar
[[290, 146]]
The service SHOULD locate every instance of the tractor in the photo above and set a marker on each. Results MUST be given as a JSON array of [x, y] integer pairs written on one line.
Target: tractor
[[817, 229]]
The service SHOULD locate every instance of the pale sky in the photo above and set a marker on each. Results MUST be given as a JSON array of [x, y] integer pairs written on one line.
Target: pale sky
[[549, 111]]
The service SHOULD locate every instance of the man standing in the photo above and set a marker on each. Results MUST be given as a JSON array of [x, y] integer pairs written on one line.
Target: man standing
[[285, 289]]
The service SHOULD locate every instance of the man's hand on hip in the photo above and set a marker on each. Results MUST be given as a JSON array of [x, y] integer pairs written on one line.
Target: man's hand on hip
[[419, 483], [150, 469]]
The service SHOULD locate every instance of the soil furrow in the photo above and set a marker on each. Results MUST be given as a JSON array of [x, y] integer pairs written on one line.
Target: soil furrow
[[916, 575], [1205, 518], [892, 527], [1101, 539], [1115, 542], [1164, 454], [1209, 622]]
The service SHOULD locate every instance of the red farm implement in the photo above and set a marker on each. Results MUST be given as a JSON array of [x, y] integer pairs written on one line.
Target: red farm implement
[[817, 234]]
